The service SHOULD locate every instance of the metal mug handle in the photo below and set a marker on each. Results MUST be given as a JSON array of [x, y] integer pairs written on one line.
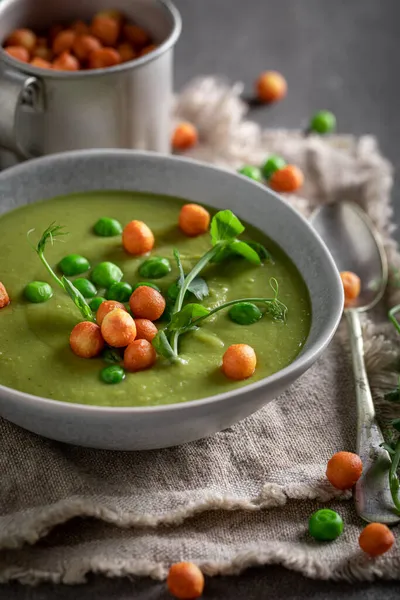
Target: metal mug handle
[[18, 92]]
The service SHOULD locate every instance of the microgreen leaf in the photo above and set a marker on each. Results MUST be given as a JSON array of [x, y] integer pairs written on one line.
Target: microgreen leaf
[[244, 250], [179, 263], [261, 250], [225, 226], [78, 299], [112, 355], [199, 288], [184, 318], [223, 252], [53, 232], [163, 347]]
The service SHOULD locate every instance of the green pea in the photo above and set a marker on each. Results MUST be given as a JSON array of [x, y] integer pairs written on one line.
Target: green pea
[[95, 303], [325, 525], [155, 267], [85, 287], [147, 284], [245, 313], [323, 122], [272, 164], [74, 264], [112, 355], [106, 227], [38, 291], [120, 291], [105, 274], [251, 172], [112, 374]]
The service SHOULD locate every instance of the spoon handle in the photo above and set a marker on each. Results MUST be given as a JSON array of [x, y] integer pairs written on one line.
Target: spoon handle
[[373, 501]]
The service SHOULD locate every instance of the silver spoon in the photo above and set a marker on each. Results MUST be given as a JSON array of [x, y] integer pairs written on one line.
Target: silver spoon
[[356, 246]]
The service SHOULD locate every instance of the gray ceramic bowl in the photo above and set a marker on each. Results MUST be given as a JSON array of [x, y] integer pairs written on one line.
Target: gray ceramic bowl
[[163, 426]]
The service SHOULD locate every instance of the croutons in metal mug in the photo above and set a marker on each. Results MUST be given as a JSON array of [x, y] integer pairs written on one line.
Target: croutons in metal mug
[[43, 111]]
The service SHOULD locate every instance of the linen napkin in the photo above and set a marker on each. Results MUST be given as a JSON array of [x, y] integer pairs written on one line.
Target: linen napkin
[[242, 497]]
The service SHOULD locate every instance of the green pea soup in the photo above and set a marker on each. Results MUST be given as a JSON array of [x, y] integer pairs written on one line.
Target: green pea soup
[[35, 356]]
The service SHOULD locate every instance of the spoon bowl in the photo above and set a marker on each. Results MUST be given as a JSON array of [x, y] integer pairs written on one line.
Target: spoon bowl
[[356, 246]]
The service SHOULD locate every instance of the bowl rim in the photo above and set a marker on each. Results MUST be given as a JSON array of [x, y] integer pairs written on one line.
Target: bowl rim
[[300, 364]]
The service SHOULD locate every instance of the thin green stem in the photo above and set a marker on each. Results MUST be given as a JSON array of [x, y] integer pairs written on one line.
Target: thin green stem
[[188, 280], [231, 303], [50, 270], [393, 478], [393, 319]]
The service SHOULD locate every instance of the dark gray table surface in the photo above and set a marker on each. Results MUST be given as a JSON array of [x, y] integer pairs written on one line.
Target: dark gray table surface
[[344, 56]]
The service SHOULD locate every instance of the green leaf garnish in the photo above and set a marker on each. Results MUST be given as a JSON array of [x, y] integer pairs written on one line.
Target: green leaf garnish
[[182, 320], [243, 249], [199, 288], [225, 226], [181, 278], [51, 234], [78, 299], [261, 250], [163, 347]]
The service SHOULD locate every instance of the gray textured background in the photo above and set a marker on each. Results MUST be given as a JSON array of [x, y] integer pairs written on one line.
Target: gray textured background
[[344, 56]]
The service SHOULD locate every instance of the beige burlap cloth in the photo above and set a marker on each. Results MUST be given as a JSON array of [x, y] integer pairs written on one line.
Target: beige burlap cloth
[[242, 497]]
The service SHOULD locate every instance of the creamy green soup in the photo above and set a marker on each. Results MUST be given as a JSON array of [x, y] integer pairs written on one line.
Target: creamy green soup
[[35, 355]]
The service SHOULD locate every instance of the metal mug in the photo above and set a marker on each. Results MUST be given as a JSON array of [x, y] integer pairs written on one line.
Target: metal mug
[[127, 106]]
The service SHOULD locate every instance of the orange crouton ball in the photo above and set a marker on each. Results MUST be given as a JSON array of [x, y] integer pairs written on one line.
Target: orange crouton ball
[[105, 308], [271, 86], [111, 14], [4, 297], [84, 45], [22, 37], [344, 470], [376, 539], [139, 355], [126, 52], [80, 27], [66, 62], [239, 362], [194, 220], [103, 58], [184, 137], [86, 340], [18, 52], [43, 52], [41, 63], [288, 179], [148, 49], [147, 303], [145, 329], [351, 286], [185, 581], [106, 29], [136, 36], [118, 328], [137, 238], [64, 41]]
